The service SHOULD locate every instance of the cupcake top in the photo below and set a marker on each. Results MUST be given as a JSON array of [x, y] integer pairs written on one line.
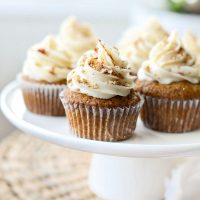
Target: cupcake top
[[100, 73], [46, 61], [192, 44], [137, 43], [76, 37], [169, 62]]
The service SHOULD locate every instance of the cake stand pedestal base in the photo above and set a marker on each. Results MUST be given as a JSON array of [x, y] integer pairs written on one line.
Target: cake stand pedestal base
[[121, 178]]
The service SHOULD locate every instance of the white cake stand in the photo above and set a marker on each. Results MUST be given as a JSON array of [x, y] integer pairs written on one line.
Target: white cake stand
[[119, 171]]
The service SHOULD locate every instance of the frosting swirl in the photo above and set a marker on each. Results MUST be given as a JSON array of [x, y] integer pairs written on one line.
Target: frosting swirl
[[137, 43], [192, 44], [46, 61], [101, 73], [169, 62], [76, 37]]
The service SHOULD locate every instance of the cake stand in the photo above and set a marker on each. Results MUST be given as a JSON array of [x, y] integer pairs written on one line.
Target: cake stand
[[133, 169]]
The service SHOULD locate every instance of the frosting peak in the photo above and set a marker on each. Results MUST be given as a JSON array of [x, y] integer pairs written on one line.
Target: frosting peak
[[192, 44], [137, 42], [101, 73], [170, 62], [46, 61], [105, 56], [76, 37]]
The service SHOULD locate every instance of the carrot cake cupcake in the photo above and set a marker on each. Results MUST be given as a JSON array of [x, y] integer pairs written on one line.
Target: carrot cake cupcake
[[44, 77], [100, 102], [76, 37], [170, 84], [137, 42]]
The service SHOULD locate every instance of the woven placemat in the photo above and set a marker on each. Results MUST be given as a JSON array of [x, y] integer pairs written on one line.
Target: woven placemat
[[31, 169]]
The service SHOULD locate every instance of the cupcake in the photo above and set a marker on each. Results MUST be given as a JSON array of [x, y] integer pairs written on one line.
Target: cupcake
[[44, 77], [137, 42], [169, 82], [100, 103], [76, 37], [192, 44]]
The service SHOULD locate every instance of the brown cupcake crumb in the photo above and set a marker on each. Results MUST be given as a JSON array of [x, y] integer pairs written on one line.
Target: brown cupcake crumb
[[176, 91], [117, 101]]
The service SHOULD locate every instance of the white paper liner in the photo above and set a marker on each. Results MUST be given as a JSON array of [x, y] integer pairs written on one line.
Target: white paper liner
[[171, 116], [104, 124], [42, 98]]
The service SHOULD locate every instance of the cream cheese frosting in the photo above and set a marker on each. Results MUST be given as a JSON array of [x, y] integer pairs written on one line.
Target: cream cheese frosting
[[169, 62], [76, 37], [191, 43], [100, 73], [137, 42], [47, 61]]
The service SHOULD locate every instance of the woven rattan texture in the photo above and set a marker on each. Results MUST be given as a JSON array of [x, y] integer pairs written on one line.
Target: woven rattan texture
[[31, 169]]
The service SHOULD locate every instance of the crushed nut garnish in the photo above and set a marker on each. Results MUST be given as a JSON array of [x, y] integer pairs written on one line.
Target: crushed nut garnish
[[69, 80], [52, 71], [43, 51]]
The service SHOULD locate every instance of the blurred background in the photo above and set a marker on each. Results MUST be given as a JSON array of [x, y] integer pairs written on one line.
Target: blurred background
[[24, 22]]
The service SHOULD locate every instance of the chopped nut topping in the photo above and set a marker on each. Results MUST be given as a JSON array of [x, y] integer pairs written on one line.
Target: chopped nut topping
[[42, 51], [69, 81], [52, 71], [86, 82], [117, 82], [148, 69], [95, 64]]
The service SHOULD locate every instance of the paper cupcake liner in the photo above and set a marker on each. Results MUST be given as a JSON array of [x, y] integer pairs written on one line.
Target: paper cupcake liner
[[42, 98], [104, 124], [171, 116]]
